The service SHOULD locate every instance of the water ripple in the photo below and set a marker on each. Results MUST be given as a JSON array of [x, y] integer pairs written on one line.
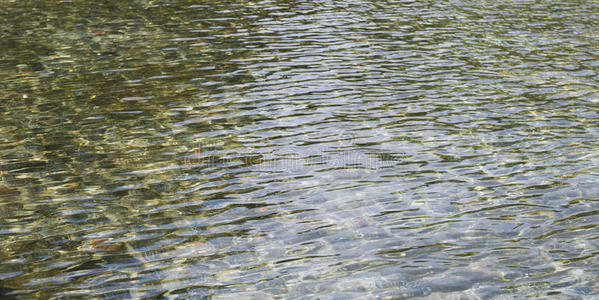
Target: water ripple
[[276, 149]]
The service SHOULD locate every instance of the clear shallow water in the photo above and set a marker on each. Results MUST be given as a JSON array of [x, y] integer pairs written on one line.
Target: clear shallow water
[[289, 149]]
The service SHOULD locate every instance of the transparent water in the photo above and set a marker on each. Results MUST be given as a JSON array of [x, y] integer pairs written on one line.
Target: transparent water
[[299, 149]]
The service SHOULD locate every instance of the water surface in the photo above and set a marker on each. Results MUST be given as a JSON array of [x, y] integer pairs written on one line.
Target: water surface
[[299, 149]]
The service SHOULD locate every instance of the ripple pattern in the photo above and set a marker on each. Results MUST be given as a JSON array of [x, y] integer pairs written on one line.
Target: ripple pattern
[[299, 149]]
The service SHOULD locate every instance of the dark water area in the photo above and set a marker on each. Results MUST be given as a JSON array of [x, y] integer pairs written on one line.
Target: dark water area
[[299, 149]]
